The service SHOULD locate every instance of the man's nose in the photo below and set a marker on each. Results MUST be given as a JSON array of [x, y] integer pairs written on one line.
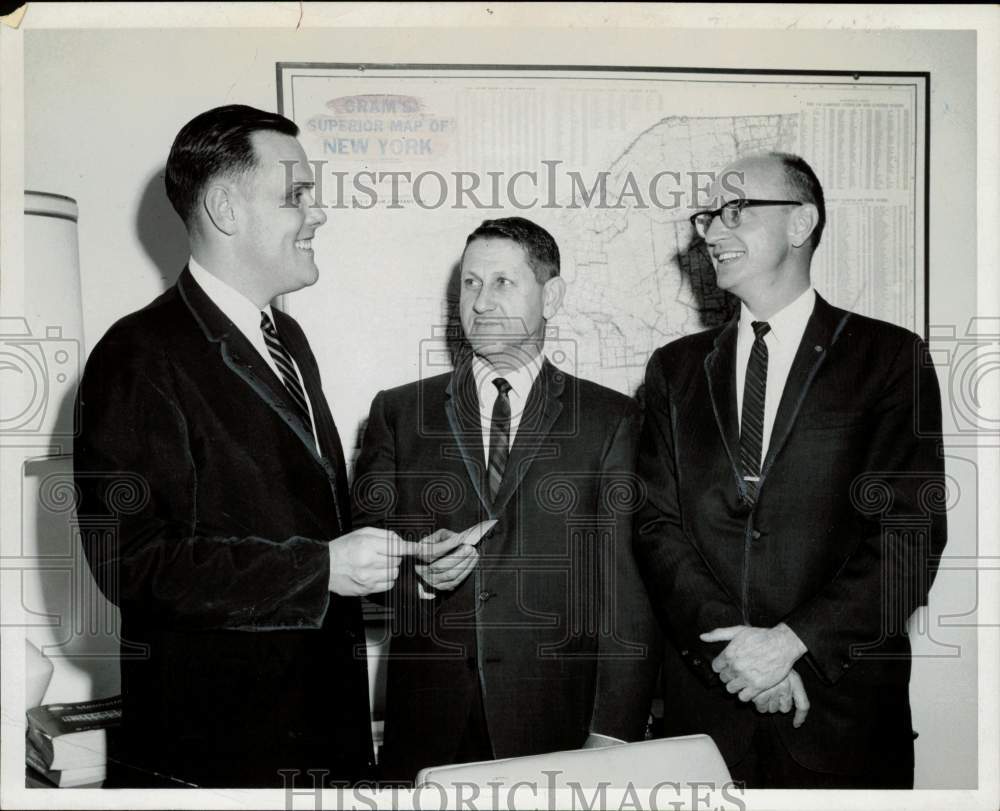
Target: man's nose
[[716, 230], [315, 216], [484, 301]]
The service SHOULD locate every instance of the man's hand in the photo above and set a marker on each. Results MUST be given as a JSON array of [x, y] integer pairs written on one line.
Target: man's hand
[[755, 658], [783, 696], [366, 561], [447, 560]]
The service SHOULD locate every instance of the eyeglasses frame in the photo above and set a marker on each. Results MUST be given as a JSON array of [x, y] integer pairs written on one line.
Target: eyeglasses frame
[[738, 205]]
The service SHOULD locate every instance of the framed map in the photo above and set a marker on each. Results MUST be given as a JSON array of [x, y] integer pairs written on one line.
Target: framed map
[[411, 158]]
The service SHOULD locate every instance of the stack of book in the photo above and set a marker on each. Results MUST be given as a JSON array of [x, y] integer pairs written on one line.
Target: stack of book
[[67, 743]]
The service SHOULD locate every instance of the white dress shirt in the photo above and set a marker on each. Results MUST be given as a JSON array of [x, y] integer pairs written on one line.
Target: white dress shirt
[[246, 316], [782, 340], [521, 380]]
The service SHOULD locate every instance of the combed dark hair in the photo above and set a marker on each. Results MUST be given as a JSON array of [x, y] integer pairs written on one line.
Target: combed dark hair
[[540, 248], [804, 186], [214, 143]]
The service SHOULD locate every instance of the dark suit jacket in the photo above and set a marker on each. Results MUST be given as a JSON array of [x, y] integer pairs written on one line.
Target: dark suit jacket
[[553, 624], [842, 543], [206, 514]]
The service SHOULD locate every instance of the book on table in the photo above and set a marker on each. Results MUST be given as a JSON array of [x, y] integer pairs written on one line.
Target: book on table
[[38, 775], [72, 736]]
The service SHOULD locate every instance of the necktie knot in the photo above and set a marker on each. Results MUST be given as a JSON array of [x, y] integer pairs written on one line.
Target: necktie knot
[[503, 387], [760, 328]]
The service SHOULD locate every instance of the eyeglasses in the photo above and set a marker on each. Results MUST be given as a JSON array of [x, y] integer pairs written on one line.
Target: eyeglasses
[[731, 213]]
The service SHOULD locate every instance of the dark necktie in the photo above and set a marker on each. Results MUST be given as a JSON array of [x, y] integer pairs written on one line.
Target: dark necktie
[[285, 366], [499, 436], [752, 420]]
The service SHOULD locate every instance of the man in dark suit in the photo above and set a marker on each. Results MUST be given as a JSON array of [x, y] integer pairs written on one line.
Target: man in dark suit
[[206, 445], [538, 639], [794, 513]]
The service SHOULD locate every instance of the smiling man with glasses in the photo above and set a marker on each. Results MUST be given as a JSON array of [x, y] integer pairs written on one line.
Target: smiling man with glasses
[[778, 584]]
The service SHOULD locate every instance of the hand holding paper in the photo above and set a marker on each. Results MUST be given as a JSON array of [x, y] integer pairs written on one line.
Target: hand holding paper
[[448, 558], [443, 541]]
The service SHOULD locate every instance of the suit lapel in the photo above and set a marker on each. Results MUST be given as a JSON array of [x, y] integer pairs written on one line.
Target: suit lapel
[[461, 404], [720, 369], [540, 412], [240, 356], [822, 330]]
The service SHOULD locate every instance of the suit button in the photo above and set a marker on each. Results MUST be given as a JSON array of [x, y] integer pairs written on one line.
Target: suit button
[[685, 652], [696, 661], [756, 534], [846, 665], [484, 596]]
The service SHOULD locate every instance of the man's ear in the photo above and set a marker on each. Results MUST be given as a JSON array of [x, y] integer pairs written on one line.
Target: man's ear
[[218, 204], [552, 296], [802, 223]]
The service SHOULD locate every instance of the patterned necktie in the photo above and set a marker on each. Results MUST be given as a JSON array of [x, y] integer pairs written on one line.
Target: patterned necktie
[[499, 436], [284, 363], [752, 421]]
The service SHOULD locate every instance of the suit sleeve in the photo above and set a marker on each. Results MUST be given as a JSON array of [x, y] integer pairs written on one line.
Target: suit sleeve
[[136, 478], [629, 648], [686, 595], [901, 497]]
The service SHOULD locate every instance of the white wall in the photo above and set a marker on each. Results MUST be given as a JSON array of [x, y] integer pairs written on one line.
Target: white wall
[[102, 108]]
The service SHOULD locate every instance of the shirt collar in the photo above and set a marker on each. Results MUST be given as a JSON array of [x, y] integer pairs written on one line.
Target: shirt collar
[[520, 379], [236, 307], [789, 323]]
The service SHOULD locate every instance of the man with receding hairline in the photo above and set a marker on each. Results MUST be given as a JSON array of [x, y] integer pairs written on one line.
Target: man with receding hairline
[[783, 594], [236, 573], [539, 638]]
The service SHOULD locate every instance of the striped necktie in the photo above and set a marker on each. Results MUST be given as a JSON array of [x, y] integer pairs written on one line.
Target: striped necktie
[[752, 419], [499, 437], [285, 366]]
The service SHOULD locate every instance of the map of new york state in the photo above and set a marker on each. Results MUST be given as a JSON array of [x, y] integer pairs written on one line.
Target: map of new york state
[[637, 276]]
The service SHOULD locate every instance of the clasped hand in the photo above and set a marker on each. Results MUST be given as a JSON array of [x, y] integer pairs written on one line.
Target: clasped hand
[[787, 693], [757, 665]]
